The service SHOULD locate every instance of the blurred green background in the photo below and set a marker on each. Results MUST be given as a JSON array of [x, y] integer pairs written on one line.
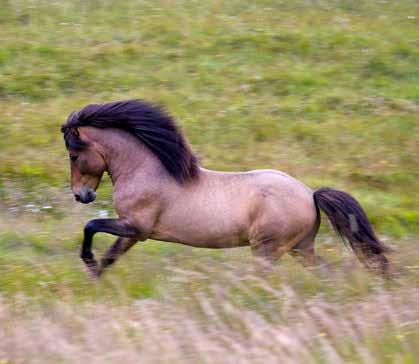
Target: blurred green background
[[327, 91]]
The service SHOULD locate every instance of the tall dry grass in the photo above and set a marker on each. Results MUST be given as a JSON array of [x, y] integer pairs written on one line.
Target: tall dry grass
[[219, 316]]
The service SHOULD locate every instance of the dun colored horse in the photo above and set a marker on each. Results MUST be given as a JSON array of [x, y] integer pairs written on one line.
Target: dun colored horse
[[160, 192]]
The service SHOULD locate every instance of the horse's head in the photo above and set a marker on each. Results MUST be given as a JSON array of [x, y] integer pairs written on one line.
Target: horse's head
[[87, 163], [86, 140]]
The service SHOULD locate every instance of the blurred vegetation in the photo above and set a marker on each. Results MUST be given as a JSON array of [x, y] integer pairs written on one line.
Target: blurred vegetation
[[325, 90]]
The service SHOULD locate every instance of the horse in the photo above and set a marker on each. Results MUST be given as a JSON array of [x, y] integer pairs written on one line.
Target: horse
[[161, 192]]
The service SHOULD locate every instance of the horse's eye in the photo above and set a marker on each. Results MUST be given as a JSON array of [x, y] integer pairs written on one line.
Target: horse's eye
[[73, 157]]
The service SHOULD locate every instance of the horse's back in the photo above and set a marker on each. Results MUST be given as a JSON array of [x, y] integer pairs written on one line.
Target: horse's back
[[280, 187], [259, 190]]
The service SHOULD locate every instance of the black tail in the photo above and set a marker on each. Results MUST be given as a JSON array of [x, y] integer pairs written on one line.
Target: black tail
[[351, 223]]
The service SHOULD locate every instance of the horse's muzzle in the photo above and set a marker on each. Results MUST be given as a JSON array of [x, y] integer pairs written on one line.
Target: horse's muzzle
[[85, 195]]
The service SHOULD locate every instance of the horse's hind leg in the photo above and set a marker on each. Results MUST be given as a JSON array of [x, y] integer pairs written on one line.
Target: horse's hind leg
[[269, 250], [266, 253], [266, 250], [305, 252]]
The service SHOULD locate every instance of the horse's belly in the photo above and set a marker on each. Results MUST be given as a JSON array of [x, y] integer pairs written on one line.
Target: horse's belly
[[203, 232], [207, 243]]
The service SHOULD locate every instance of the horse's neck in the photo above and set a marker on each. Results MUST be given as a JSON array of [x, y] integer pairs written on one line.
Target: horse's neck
[[127, 158]]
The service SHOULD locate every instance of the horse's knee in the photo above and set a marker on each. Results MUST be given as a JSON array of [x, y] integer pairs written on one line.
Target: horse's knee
[[90, 228]]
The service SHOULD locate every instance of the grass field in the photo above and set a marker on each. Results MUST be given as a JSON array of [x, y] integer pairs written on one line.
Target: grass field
[[327, 91]]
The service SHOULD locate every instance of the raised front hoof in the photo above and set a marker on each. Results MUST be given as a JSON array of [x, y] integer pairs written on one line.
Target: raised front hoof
[[93, 274], [93, 270]]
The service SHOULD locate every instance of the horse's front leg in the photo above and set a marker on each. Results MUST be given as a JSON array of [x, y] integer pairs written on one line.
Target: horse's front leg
[[121, 246], [117, 227]]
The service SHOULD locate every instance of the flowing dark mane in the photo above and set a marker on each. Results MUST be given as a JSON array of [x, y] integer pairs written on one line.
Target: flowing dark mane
[[149, 123]]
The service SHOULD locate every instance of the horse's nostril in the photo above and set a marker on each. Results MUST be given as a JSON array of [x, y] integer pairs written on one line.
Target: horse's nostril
[[77, 197]]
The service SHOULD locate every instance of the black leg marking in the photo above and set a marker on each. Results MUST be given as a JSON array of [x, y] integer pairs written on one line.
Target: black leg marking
[[120, 246], [111, 226]]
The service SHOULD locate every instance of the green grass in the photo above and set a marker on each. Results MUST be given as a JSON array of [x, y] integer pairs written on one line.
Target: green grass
[[327, 91]]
